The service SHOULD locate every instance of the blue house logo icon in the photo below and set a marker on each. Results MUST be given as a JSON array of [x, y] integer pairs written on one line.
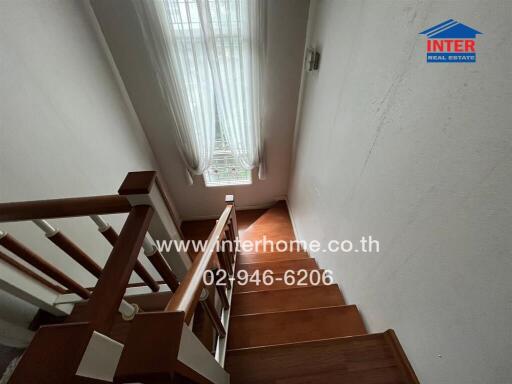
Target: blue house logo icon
[[451, 42]]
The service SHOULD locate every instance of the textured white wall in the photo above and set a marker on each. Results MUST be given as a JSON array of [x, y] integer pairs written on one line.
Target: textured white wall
[[65, 128], [419, 156], [285, 49]]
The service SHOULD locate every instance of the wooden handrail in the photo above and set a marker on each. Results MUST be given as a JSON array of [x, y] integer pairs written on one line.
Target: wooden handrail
[[186, 297], [69, 207]]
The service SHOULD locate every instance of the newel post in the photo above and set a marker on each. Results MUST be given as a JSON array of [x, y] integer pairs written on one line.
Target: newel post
[[146, 188], [232, 225]]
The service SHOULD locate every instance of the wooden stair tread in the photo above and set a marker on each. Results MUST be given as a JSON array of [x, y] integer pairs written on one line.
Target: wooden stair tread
[[280, 266], [384, 375], [244, 258], [294, 326], [278, 283], [286, 299], [366, 359], [275, 224]]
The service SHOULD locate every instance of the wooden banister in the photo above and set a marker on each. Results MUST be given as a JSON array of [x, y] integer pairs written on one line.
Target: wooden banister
[[211, 311], [224, 257], [63, 346], [221, 290], [145, 188], [20, 267], [186, 297], [109, 291], [58, 208], [29, 256], [111, 236], [151, 350], [75, 252], [161, 266], [69, 247]]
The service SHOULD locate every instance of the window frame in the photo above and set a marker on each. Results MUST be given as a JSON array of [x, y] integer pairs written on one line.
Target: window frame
[[222, 148]]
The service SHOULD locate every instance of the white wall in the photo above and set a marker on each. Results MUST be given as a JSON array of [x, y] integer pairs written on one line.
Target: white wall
[[65, 127], [285, 48], [419, 156]]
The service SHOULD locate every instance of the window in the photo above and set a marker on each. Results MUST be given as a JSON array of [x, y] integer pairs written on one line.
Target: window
[[225, 169], [230, 39]]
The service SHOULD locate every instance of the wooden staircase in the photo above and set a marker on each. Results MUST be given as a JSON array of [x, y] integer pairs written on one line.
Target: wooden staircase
[[172, 328], [302, 334]]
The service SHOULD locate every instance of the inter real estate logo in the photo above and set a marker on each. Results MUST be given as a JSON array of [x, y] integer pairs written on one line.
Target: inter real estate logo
[[451, 42]]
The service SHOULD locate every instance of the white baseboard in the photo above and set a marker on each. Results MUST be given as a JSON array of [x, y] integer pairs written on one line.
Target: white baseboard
[[294, 226]]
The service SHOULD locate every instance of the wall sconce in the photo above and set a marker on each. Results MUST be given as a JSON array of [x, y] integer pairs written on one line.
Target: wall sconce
[[312, 60]]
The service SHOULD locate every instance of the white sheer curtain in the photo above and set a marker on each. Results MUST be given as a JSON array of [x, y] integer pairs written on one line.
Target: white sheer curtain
[[177, 48], [234, 34]]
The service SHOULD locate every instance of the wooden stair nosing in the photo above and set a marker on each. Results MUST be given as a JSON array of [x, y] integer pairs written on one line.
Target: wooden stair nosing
[[324, 322], [405, 366], [346, 306], [280, 265], [298, 298], [341, 339], [247, 258], [340, 355], [377, 375]]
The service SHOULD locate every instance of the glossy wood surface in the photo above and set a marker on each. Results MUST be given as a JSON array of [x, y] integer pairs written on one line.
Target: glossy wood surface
[[159, 263], [69, 207], [32, 258], [186, 297], [111, 236], [246, 258], [54, 355], [109, 291], [255, 330], [287, 299], [76, 253], [365, 359], [27, 271], [151, 349], [280, 266]]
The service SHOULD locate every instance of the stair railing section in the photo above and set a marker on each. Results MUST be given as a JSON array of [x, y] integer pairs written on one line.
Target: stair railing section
[[37, 288], [59, 353], [160, 344]]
